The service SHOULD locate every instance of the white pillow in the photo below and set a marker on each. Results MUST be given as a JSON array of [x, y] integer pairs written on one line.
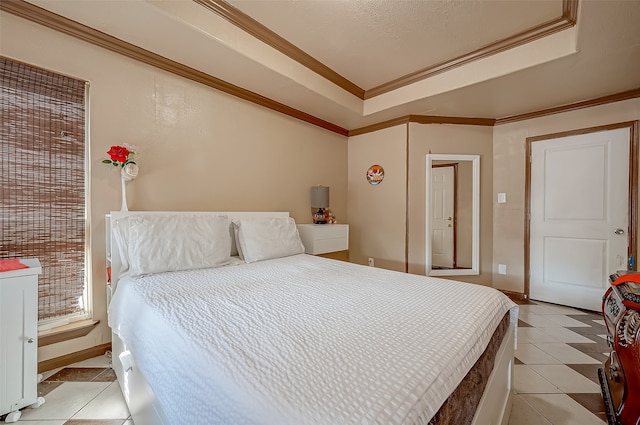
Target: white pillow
[[266, 238], [162, 243]]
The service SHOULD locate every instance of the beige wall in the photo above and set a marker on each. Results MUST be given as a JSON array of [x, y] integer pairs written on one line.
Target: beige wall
[[449, 139], [200, 149], [377, 213], [509, 176]]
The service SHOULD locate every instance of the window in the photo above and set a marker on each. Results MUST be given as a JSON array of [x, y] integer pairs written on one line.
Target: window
[[43, 183]]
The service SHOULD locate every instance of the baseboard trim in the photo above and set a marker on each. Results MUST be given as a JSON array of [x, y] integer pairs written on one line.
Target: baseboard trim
[[515, 295], [71, 358]]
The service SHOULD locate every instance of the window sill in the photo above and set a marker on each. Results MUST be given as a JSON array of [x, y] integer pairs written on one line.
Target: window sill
[[66, 332]]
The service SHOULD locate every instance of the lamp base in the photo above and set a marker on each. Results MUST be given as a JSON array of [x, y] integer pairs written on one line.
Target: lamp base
[[319, 217]]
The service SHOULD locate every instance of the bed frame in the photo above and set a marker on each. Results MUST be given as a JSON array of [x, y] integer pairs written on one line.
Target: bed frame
[[494, 407]]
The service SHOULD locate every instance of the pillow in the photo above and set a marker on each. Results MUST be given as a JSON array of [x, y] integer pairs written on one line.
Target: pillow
[[234, 245], [238, 249], [119, 228], [266, 238], [162, 243]]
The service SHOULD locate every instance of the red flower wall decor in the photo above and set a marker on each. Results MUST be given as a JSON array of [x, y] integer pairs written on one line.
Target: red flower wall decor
[[119, 156]]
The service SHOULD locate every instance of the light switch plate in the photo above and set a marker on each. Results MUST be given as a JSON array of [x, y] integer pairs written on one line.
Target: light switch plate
[[502, 269], [502, 198]]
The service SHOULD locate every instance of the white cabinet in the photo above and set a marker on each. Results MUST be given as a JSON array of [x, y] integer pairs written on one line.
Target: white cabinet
[[19, 339], [323, 238]]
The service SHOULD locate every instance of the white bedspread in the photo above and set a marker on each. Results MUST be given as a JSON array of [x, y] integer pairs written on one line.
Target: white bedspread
[[303, 340]]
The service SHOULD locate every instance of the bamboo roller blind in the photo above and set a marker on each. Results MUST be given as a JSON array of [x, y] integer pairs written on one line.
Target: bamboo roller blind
[[42, 181]]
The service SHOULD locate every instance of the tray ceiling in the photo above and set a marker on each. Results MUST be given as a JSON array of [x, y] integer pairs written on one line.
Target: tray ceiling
[[354, 63]]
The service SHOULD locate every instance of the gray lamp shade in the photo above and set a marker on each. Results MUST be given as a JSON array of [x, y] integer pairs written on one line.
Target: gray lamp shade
[[320, 197]]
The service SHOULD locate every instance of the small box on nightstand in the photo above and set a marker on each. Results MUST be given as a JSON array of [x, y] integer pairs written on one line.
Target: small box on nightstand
[[323, 238]]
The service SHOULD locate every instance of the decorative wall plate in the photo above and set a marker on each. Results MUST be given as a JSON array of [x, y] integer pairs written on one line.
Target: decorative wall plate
[[375, 174]]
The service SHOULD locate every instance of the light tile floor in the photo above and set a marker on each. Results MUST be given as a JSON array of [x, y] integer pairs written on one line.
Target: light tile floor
[[84, 393], [555, 377]]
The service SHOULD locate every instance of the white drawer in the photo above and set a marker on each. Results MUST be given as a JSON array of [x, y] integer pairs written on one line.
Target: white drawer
[[323, 238]]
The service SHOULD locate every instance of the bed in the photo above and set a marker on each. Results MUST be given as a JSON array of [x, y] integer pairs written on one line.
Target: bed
[[220, 318]]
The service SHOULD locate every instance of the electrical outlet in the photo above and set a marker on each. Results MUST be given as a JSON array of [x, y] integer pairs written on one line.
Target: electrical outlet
[[371, 262], [502, 269]]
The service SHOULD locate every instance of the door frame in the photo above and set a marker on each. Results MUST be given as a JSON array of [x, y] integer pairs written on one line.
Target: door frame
[[455, 207], [633, 190]]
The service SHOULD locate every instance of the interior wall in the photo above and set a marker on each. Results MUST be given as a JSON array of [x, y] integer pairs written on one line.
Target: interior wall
[[377, 213], [449, 139], [509, 176], [199, 149]]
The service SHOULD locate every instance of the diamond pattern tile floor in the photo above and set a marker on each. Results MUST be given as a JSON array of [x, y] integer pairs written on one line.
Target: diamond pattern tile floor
[[557, 361]]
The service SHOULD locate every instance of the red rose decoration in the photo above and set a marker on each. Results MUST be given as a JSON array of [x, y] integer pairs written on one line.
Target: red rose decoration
[[118, 153]]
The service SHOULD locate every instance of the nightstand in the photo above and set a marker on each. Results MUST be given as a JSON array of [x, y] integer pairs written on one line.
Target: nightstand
[[324, 238]]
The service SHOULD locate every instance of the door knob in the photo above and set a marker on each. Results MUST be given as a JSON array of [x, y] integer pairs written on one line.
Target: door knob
[[450, 219], [619, 231]]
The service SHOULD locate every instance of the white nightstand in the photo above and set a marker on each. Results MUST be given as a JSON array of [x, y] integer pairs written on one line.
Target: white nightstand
[[324, 238]]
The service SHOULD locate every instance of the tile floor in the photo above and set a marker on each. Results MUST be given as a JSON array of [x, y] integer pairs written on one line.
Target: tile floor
[[85, 393], [555, 377]]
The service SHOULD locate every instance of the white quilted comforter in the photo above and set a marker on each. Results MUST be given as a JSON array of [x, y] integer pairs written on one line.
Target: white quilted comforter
[[303, 340]]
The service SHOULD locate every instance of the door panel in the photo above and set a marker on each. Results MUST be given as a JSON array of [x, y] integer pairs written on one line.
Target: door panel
[[578, 262], [442, 230], [579, 197], [575, 180]]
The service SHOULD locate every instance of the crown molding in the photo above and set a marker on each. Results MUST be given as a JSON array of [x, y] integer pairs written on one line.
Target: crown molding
[[567, 20], [67, 26], [75, 29], [264, 34], [432, 119], [617, 97], [422, 119]]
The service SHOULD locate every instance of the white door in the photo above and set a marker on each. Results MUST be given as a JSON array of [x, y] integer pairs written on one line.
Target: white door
[[442, 219], [579, 216]]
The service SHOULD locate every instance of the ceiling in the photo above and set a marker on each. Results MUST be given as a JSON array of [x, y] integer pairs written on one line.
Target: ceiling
[[355, 63]]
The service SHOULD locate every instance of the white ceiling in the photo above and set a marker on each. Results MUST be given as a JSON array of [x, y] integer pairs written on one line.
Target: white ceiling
[[372, 42]]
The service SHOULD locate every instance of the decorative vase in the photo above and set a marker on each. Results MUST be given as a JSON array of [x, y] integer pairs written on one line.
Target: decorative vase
[[127, 174], [124, 194]]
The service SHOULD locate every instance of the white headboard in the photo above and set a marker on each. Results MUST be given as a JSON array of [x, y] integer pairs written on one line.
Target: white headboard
[[113, 254]]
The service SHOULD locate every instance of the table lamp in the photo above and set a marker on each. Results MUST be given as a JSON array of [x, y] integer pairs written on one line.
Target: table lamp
[[320, 200]]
